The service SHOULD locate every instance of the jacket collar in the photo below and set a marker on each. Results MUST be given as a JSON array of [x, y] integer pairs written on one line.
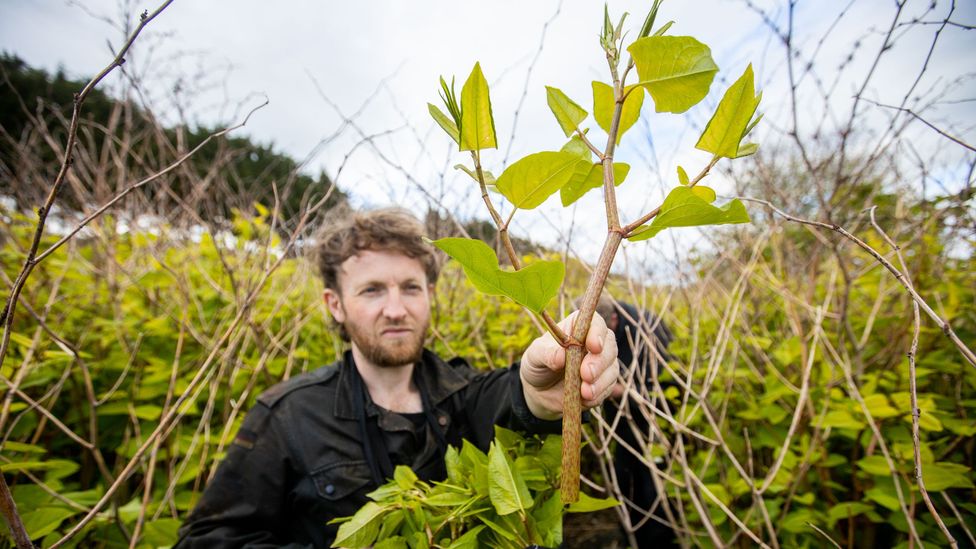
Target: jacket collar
[[440, 380]]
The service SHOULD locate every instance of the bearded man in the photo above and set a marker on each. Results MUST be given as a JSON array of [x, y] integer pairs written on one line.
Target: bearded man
[[315, 445]]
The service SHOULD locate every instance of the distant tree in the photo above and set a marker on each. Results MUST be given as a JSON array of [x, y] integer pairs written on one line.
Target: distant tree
[[225, 175]]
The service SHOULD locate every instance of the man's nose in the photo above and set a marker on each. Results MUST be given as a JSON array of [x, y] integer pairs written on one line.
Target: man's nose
[[394, 306]]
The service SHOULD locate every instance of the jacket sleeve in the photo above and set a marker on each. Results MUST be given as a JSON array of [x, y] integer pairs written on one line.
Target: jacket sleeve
[[496, 398], [241, 506]]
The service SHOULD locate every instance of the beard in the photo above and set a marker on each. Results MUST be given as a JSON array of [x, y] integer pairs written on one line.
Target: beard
[[386, 352]]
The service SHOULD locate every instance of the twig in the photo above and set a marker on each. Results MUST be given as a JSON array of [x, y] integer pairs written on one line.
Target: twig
[[913, 389], [7, 505], [914, 115], [804, 391], [943, 325], [824, 534]]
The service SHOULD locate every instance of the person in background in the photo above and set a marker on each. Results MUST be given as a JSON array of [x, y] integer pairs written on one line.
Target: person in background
[[313, 446], [646, 334]]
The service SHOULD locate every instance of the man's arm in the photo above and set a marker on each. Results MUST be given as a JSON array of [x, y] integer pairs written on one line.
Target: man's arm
[[543, 363]]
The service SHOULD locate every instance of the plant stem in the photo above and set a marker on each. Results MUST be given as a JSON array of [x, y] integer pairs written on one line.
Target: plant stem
[[562, 337], [9, 509], [7, 505], [572, 413]]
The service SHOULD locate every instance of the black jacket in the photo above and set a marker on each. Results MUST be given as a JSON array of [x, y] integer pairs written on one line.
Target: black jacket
[[298, 460]]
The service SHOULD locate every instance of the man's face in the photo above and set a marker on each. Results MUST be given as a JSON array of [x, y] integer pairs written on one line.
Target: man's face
[[384, 303]]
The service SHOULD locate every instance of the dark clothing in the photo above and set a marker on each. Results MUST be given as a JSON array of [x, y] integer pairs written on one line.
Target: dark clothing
[[633, 476], [298, 459], [630, 325]]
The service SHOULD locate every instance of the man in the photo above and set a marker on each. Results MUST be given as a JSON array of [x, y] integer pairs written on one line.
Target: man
[[314, 446], [650, 337]]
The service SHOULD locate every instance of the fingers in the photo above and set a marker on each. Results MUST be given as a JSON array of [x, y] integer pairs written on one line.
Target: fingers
[[545, 359], [544, 352], [596, 335], [599, 372]]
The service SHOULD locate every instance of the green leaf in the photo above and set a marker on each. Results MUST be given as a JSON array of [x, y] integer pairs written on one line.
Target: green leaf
[[148, 412], [683, 176], [705, 193], [587, 504], [489, 178], [587, 177], [943, 475], [507, 438], [395, 542], [649, 20], [796, 521], [842, 419], [361, 529], [664, 28], [498, 529], [388, 491], [532, 286], [469, 540], [14, 446], [452, 460], [884, 494], [448, 499], [576, 146], [532, 471], [506, 488], [43, 521], [676, 70], [418, 540], [477, 130], [392, 523], [405, 478], [846, 510], [59, 468], [478, 465], [551, 452], [549, 520], [747, 149], [162, 532], [724, 132], [875, 464], [531, 180], [604, 103], [566, 111], [879, 407], [449, 96], [684, 208], [961, 427], [444, 122]]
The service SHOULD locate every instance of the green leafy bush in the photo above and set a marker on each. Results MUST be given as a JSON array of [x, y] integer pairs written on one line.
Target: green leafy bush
[[506, 498]]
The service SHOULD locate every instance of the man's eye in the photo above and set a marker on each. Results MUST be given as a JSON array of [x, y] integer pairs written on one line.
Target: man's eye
[[370, 290]]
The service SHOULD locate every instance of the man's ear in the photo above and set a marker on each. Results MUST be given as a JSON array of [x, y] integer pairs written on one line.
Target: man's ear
[[334, 304]]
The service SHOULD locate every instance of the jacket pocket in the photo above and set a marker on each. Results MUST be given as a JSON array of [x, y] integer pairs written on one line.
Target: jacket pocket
[[338, 481]]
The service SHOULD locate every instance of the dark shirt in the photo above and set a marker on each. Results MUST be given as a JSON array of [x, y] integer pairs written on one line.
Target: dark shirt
[[298, 459]]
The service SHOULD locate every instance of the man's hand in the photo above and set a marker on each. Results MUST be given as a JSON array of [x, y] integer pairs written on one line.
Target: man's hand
[[544, 360]]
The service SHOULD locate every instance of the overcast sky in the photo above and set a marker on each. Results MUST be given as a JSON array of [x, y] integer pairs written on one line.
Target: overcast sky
[[381, 59]]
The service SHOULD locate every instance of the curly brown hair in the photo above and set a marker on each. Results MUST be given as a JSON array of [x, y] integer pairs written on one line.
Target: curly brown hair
[[386, 229]]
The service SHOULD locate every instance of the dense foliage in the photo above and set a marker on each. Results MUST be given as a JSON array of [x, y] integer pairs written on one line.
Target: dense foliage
[[129, 318], [506, 498], [119, 325]]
